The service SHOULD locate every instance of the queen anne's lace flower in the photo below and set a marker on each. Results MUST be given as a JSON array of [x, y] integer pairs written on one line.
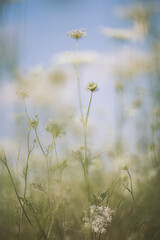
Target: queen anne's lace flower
[[98, 219], [23, 93], [76, 34]]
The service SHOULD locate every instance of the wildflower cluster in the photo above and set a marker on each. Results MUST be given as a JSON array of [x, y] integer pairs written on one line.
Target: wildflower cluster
[[33, 123], [98, 219], [76, 34]]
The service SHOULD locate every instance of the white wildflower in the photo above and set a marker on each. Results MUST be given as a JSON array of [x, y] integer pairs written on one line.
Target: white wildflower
[[98, 219], [76, 34], [23, 93]]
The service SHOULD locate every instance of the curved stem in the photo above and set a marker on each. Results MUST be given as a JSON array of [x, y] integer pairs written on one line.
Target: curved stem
[[39, 142], [131, 191], [18, 195], [26, 110]]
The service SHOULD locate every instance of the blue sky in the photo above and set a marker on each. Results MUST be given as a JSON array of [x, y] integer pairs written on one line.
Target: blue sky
[[42, 26]]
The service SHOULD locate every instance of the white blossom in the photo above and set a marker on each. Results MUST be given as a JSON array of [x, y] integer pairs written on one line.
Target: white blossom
[[98, 219]]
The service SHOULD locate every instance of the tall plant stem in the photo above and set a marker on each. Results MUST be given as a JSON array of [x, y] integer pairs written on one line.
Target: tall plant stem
[[25, 107], [35, 130], [85, 147], [18, 195], [45, 155], [26, 169], [57, 160], [78, 80], [85, 136], [131, 191]]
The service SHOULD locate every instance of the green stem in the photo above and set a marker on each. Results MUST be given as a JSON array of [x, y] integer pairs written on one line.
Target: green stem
[[85, 147], [26, 111], [18, 195], [78, 80], [57, 160], [131, 191], [26, 169], [130, 180], [45, 155], [39, 142], [85, 136]]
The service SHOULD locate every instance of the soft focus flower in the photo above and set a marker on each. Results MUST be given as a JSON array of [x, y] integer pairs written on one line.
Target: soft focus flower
[[76, 34], [98, 219], [140, 14], [55, 128], [131, 63], [156, 111], [120, 34], [23, 93], [33, 123], [83, 57]]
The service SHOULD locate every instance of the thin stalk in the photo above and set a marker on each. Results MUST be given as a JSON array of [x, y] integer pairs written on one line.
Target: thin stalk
[[131, 191], [39, 142], [85, 147], [130, 180], [26, 110], [19, 150], [18, 195], [57, 160], [45, 155], [78, 80], [85, 136], [26, 169], [154, 145]]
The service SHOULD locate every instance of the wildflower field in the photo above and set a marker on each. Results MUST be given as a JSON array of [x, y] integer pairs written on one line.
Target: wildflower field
[[80, 133]]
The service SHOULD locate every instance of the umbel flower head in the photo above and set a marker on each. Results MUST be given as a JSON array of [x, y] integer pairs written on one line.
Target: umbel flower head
[[92, 86], [55, 128], [76, 34], [98, 219], [23, 93]]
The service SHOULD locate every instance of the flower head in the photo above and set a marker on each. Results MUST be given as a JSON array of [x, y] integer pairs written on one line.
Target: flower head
[[125, 168], [98, 219], [76, 34], [33, 123], [23, 93], [92, 86]]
